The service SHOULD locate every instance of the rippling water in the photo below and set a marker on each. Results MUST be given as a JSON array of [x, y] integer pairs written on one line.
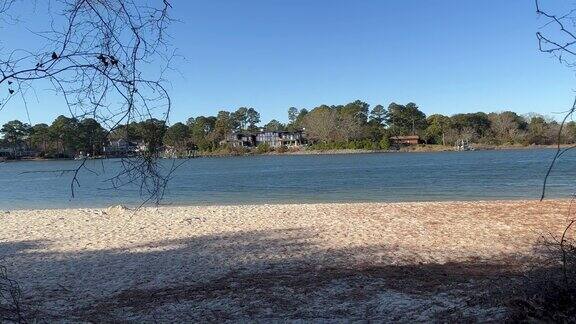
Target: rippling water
[[477, 175]]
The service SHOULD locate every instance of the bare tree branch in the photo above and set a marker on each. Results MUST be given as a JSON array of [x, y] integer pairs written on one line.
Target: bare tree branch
[[106, 60]]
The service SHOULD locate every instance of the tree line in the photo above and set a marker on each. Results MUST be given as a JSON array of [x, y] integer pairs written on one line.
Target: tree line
[[355, 125]]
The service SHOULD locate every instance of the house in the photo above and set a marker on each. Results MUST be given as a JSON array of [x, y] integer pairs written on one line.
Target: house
[[20, 150], [273, 139], [277, 139], [405, 140], [6, 152], [237, 139], [120, 147], [291, 139]]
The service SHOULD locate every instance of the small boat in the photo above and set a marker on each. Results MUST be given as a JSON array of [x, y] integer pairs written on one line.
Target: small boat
[[463, 145]]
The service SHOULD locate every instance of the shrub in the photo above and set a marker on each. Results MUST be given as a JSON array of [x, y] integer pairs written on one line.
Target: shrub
[[281, 149], [384, 143], [549, 291], [230, 150], [263, 148]]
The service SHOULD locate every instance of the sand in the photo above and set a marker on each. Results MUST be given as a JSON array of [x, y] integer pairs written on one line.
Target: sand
[[320, 262]]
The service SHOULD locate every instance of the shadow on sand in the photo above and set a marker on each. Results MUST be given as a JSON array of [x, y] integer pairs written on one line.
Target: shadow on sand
[[263, 275]]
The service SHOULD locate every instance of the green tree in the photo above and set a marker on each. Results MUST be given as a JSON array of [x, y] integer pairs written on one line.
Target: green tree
[[15, 132], [177, 136], [253, 119], [92, 136], [151, 132], [225, 123], [384, 143], [472, 125], [40, 137], [357, 110], [274, 126], [406, 119], [375, 132], [202, 132], [64, 132], [378, 115], [240, 117], [292, 115], [303, 112], [438, 125], [296, 124], [128, 132]]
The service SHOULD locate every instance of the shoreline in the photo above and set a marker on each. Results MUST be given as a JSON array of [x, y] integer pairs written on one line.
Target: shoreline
[[415, 261], [421, 148]]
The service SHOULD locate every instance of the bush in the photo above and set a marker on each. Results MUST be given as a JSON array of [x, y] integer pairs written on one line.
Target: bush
[[230, 150], [263, 148], [384, 143], [365, 144], [549, 291], [281, 149]]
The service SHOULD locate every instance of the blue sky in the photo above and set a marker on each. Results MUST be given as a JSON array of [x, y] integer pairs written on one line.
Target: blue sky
[[448, 56]]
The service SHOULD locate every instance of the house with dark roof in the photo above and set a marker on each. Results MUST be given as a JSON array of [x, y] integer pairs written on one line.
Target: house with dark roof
[[272, 138], [120, 147], [405, 140], [278, 138], [238, 139]]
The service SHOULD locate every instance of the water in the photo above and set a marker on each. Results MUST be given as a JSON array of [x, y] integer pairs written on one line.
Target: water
[[478, 175]]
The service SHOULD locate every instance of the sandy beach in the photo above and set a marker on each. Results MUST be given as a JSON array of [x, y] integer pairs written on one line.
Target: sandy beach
[[322, 262]]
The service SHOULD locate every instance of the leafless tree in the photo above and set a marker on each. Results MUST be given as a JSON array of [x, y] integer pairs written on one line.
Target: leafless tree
[[106, 60], [558, 38], [10, 299], [321, 125], [551, 294], [504, 127]]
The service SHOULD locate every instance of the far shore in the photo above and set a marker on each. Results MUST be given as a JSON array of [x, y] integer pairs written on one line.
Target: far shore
[[422, 148], [320, 262]]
